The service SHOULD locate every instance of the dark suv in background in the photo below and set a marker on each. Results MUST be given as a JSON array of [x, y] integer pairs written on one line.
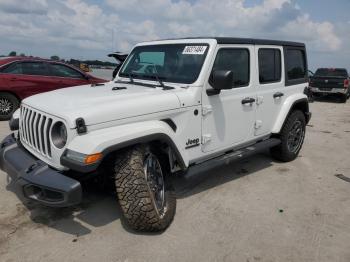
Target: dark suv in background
[[21, 77], [331, 81]]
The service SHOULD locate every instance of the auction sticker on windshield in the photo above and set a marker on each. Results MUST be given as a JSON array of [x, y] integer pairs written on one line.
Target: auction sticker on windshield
[[194, 50]]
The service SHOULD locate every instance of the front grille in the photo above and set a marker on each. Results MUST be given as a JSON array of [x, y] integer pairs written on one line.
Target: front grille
[[35, 130]]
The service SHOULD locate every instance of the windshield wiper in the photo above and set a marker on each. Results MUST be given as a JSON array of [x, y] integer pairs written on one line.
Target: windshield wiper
[[134, 83], [161, 84], [156, 76], [131, 79]]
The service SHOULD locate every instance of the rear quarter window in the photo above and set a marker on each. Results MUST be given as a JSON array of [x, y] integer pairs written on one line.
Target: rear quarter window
[[295, 65]]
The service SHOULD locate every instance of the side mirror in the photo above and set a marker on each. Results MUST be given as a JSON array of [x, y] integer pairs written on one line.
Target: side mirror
[[220, 80]]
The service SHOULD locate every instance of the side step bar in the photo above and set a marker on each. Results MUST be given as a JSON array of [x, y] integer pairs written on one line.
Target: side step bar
[[230, 157]]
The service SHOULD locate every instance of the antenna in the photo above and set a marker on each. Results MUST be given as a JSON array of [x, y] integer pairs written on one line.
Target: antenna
[[112, 40]]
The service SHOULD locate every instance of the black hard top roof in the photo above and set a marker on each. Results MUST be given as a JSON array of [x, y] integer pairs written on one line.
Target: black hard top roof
[[250, 41]]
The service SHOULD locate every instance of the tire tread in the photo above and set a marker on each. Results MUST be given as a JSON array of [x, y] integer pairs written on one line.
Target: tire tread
[[281, 152], [133, 194]]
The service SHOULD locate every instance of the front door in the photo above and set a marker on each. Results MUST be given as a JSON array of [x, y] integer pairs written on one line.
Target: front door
[[228, 117]]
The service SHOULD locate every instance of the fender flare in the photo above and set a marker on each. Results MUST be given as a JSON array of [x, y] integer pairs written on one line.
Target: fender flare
[[287, 108], [106, 141], [146, 139]]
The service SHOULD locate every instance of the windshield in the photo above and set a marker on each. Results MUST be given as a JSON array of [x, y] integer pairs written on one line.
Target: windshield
[[331, 72], [176, 63]]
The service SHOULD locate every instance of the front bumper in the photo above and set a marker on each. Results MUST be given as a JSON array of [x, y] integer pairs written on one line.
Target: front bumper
[[329, 90], [34, 179]]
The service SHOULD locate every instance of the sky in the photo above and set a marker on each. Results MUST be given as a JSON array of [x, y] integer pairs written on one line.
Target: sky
[[91, 29]]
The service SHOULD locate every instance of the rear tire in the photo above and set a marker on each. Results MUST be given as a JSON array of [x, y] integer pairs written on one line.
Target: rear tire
[[8, 105], [145, 198], [292, 137]]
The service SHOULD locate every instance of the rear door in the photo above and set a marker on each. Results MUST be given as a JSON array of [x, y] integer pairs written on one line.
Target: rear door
[[282, 72], [66, 76], [270, 88]]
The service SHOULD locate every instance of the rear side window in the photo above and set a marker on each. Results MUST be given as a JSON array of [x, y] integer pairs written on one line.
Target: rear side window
[[34, 68], [295, 64], [64, 71], [269, 65], [236, 60]]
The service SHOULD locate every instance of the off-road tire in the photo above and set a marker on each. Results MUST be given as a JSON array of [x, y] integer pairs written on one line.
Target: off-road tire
[[282, 152], [135, 196], [12, 101]]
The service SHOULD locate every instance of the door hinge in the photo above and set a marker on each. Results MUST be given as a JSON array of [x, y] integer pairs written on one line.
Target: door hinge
[[206, 110], [206, 138], [258, 124]]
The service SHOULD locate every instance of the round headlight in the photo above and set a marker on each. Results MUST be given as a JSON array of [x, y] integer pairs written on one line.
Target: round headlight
[[59, 135]]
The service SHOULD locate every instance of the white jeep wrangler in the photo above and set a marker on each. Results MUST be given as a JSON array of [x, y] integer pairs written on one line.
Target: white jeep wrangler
[[178, 106]]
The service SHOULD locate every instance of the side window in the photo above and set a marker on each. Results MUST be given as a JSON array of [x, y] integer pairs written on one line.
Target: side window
[[34, 68], [269, 65], [14, 68], [64, 71], [295, 64], [236, 60]]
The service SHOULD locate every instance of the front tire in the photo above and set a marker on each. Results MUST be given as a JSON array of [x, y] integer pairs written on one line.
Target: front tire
[[145, 197], [292, 137], [8, 105]]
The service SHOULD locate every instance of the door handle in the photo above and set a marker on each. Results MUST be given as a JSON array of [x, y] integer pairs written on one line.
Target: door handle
[[13, 79], [248, 100], [278, 94]]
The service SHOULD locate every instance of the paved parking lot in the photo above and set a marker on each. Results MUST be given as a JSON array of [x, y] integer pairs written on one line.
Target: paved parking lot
[[254, 210]]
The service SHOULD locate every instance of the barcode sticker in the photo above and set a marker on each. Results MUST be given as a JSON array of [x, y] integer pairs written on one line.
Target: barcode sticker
[[194, 50]]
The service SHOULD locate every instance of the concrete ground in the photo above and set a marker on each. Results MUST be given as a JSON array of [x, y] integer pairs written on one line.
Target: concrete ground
[[254, 210]]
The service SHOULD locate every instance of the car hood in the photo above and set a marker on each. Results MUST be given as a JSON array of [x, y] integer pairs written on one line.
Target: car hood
[[100, 103]]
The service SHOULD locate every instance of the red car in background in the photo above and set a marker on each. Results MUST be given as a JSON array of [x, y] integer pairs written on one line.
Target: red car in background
[[21, 77]]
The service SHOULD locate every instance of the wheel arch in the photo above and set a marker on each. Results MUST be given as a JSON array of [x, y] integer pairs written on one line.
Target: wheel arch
[[11, 93], [111, 140], [151, 139], [300, 103]]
